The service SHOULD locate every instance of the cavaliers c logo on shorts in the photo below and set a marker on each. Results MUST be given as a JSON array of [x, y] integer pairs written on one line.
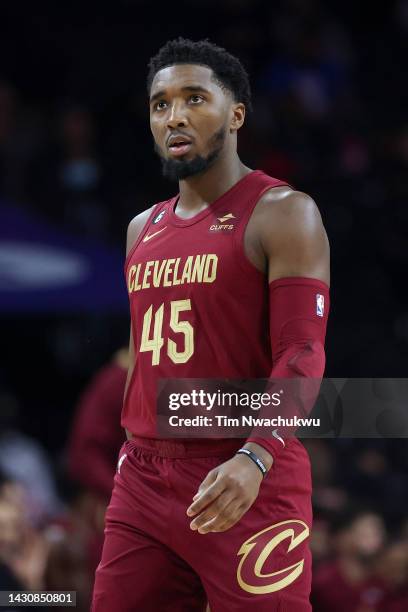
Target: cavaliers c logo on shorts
[[257, 550]]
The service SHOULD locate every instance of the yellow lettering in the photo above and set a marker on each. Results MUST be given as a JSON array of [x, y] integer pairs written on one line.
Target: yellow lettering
[[186, 277], [176, 281], [131, 280], [210, 270], [147, 273], [167, 272], [198, 268], [170, 272], [158, 272], [136, 285]]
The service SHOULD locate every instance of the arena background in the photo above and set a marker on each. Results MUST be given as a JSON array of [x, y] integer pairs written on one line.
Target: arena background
[[77, 163]]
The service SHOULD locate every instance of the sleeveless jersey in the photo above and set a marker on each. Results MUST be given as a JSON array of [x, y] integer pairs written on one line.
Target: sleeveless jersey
[[199, 307]]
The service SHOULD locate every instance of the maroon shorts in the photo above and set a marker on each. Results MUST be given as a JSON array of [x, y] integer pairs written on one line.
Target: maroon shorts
[[153, 562]]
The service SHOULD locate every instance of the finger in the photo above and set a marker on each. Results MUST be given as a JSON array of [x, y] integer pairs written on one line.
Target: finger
[[216, 508], [226, 516], [207, 497], [208, 480], [234, 516]]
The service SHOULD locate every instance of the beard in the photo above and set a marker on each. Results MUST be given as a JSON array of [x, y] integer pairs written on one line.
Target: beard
[[179, 169]]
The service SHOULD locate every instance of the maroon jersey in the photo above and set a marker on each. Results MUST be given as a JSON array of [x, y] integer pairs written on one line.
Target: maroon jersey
[[199, 308], [96, 435]]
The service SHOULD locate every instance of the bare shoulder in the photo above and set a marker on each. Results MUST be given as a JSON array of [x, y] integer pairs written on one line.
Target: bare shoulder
[[286, 205], [283, 214], [135, 227], [292, 235]]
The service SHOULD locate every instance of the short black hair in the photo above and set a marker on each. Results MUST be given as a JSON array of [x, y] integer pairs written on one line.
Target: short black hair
[[227, 69]]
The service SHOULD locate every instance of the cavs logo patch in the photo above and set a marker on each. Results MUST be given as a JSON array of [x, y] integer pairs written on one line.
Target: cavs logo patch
[[258, 550]]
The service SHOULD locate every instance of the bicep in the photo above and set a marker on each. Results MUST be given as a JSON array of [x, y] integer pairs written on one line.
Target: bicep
[[296, 242]]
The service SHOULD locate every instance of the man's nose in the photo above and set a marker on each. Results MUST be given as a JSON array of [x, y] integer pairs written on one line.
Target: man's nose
[[177, 117]]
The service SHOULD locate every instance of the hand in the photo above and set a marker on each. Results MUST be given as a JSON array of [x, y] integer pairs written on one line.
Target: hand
[[226, 493]]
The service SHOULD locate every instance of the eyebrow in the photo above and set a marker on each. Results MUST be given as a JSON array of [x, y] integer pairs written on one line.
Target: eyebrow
[[191, 88]]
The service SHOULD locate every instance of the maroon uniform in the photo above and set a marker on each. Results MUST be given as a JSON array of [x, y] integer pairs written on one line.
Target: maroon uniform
[[192, 280], [200, 309]]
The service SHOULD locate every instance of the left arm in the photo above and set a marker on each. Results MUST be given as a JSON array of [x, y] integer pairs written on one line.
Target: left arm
[[293, 239]]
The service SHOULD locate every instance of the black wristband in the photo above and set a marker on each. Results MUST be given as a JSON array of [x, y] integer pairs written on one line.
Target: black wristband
[[255, 459]]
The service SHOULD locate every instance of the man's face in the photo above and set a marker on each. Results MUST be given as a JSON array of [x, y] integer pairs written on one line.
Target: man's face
[[190, 117]]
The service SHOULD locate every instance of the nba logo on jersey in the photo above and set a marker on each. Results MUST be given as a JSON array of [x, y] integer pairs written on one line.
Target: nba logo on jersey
[[319, 305]]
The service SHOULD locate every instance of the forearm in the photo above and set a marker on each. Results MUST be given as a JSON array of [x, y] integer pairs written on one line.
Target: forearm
[[297, 327]]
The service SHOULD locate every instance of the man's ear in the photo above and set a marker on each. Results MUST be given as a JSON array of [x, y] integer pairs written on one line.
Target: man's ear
[[237, 116]]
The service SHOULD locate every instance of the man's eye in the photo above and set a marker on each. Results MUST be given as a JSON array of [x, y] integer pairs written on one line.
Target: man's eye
[[160, 105], [196, 99]]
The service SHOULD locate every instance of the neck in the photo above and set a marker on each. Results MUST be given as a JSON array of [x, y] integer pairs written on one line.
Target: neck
[[197, 192]]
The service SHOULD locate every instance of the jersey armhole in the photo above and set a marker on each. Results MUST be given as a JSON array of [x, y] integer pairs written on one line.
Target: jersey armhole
[[239, 243], [154, 213]]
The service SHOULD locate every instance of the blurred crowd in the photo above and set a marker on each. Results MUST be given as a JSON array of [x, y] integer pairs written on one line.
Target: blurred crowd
[[75, 149], [52, 516]]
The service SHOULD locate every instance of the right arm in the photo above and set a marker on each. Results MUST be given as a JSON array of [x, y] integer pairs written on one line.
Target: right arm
[[134, 229]]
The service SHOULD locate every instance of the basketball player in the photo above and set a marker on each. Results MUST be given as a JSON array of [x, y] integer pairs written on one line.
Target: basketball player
[[227, 279]]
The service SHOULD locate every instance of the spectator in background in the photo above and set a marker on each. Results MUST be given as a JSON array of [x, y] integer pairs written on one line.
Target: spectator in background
[[328, 498], [392, 568], [67, 180], [70, 537], [350, 581], [96, 435], [23, 550], [23, 460], [94, 443], [76, 538]]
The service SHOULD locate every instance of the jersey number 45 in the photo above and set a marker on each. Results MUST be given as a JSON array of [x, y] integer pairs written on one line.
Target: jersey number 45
[[156, 342]]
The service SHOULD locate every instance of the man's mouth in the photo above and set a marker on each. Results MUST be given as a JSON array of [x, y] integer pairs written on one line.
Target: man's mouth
[[179, 146]]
